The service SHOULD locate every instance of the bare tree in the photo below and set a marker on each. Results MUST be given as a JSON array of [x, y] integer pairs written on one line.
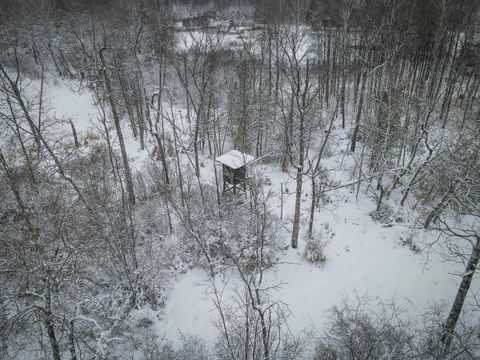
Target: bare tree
[[116, 119], [196, 68], [303, 92]]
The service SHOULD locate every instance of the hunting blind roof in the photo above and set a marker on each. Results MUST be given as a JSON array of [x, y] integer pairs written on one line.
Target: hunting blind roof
[[235, 159]]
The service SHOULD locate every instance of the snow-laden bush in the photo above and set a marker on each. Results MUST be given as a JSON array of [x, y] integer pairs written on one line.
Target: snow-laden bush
[[382, 215], [256, 332], [143, 342], [354, 328], [241, 229], [314, 251], [381, 330]]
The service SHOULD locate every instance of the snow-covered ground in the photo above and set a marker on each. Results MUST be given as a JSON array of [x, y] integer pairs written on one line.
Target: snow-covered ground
[[363, 256]]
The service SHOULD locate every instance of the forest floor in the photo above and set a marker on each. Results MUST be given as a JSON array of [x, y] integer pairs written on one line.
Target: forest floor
[[364, 257]]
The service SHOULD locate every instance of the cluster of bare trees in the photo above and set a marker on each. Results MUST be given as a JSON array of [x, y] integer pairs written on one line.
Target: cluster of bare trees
[[76, 248], [70, 233], [355, 331]]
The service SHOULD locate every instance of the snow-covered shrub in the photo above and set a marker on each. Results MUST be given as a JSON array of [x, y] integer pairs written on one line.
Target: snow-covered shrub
[[240, 229], [383, 331], [90, 137], [409, 241], [160, 254], [325, 351], [383, 215], [314, 251], [240, 330], [330, 148], [323, 182], [465, 342], [354, 328], [192, 348], [143, 341]]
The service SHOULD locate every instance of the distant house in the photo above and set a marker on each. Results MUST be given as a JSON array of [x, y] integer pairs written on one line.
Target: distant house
[[235, 174], [202, 20]]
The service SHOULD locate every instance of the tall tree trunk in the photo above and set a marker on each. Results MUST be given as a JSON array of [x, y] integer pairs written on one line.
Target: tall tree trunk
[[315, 173], [126, 98], [299, 181], [435, 213], [71, 340], [48, 319], [288, 134], [161, 148], [116, 120], [327, 67], [467, 277], [353, 144], [158, 118], [298, 198], [312, 208], [142, 105], [195, 145], [74, 133]]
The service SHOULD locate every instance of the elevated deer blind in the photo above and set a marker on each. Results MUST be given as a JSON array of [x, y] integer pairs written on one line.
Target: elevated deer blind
[[234, 164]]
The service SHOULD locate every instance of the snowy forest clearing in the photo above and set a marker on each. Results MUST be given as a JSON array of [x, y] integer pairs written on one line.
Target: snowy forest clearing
[[353, 243], [353, 267]]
